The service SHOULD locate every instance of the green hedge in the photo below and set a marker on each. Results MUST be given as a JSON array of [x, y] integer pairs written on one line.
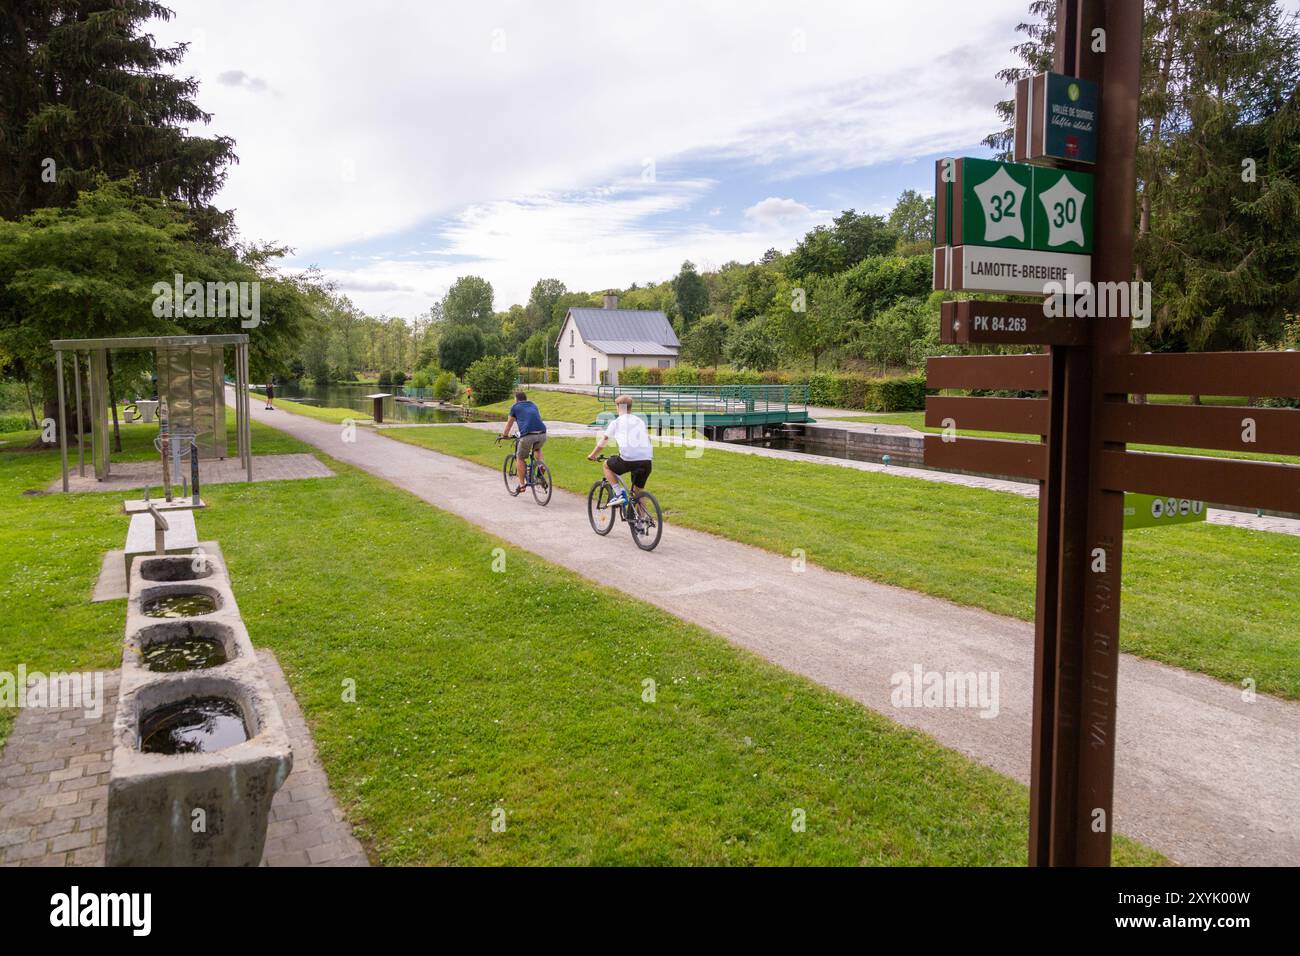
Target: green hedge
[[529, 375], [902, 393]]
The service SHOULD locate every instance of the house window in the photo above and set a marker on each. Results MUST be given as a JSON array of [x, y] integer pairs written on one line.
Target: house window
[[570, 338], [665, 363], [572, 373]]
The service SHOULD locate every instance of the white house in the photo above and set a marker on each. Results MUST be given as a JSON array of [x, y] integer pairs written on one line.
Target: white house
[[596, 344]]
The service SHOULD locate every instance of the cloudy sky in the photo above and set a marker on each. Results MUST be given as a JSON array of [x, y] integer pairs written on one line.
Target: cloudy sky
[[398, 144]]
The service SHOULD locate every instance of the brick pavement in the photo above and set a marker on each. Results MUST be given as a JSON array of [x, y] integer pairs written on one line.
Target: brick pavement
[[54, 789]]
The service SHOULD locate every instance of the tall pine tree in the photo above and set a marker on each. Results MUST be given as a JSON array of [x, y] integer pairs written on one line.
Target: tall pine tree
[[1218, 211], [84, 86]]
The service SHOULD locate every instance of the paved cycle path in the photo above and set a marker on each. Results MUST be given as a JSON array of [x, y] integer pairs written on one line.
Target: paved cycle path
[[1202, 775]]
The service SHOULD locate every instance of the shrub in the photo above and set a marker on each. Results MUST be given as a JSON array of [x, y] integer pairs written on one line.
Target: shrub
[[492, 378], [634, 375], [681, 375], [385, 379], [826, 388], [530, 375], [421, 379], [445, 386], [399, 378], [654, 376], [738, 376], [14, 423], [904, 393]]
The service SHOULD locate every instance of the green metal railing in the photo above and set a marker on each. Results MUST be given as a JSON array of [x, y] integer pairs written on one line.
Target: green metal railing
[[714, 404]]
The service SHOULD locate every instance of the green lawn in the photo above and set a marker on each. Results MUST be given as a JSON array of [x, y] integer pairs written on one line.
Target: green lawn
[[555, 406], [1207, 598], [471, 696]]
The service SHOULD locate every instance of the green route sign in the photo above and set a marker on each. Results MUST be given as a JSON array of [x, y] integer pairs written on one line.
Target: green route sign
[[1015, 206], [1153, 511]]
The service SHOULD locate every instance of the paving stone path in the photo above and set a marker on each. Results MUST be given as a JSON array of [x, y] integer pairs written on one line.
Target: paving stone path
[[134, 475], [1204, 776], [54, 789]]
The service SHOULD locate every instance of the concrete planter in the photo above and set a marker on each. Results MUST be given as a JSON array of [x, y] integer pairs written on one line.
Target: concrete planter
[[201, 808]]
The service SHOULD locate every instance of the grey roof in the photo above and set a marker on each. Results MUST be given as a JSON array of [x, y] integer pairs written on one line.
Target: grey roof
[[628, 326], [630, 347]]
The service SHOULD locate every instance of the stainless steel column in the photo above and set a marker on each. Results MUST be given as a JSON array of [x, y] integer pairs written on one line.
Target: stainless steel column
[[63, 441], [81, 444]]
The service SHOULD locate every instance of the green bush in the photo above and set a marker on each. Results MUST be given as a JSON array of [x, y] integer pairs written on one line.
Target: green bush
[[399, 378], [681, 375], [634, 375], [531, 375], [904, 393], [14, 423], [827, 389], [654, 376], [446, 387], [738, 376], [492, 378], [385, 379]]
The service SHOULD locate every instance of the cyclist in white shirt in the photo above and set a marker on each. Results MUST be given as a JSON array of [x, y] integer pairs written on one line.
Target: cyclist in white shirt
[[634, 449]]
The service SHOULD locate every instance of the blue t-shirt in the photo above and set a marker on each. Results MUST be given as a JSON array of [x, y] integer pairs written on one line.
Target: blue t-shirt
[[527, 417]]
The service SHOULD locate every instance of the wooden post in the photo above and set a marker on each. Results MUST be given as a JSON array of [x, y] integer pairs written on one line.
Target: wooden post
[[1081, 523]]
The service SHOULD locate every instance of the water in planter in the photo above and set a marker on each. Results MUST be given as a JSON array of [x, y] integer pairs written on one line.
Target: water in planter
[[195, 726], [180, 605], [184, 654]]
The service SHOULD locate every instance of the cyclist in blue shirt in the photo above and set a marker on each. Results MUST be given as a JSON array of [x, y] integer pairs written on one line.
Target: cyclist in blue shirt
[[532, 432]]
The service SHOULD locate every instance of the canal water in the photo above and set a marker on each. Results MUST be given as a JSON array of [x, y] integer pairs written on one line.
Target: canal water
[[354, 396], [834, 449]]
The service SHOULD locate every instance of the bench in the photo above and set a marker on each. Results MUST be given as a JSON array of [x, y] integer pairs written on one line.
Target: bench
[[179, 538]]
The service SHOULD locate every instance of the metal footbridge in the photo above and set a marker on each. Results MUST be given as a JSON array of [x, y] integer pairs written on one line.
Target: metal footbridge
[[711, 406]]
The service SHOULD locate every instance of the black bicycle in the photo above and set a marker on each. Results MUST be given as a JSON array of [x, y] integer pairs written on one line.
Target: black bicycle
[[643, 516], [539, 476]]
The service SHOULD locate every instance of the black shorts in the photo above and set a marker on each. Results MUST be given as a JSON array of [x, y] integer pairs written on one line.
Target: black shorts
[[640, 469]]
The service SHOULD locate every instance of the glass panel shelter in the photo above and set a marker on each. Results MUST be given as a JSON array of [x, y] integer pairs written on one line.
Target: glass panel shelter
[[191, 392]]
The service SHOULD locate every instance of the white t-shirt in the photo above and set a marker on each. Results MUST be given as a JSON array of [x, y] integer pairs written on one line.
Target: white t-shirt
[[633, 440]]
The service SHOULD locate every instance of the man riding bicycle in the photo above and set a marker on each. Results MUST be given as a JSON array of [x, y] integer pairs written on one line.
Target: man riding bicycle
[[532, 434], [635, 452]]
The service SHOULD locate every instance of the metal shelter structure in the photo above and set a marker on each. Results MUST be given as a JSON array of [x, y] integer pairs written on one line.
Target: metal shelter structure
[[191, 389]]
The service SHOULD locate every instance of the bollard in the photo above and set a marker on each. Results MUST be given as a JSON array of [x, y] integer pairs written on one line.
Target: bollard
[[194, 473]]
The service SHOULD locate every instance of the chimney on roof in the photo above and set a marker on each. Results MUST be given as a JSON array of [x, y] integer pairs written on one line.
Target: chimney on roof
[[611, 300]]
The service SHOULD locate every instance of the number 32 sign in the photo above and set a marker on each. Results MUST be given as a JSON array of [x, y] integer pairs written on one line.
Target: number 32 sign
[[1017, 206]]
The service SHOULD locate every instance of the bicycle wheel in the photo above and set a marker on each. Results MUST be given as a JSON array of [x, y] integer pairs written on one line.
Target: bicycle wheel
[[512, 479], [599, 513], [542, 483], [647, 524]]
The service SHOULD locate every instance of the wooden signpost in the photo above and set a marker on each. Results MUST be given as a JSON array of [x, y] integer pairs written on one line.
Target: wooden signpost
[[1081, 414]]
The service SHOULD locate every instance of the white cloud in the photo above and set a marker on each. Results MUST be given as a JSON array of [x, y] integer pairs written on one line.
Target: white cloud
[[774, 211], [382, 124]]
